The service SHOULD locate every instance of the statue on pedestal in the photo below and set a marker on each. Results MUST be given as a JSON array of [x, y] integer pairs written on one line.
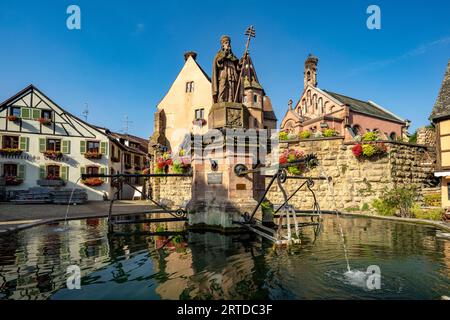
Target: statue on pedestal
[[226, 73]]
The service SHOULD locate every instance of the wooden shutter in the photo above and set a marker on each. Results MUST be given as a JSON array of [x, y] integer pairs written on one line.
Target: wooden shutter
[[103, 170], [23, 143], [42, 173], [103, 148], [65, 173], [21, 170], [65, 146], [36, 113], [82, 147], [42, 145], [25, 113]]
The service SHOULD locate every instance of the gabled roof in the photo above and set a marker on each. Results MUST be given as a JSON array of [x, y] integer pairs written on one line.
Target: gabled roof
[[365, 107], [442, 106], [70, 119]]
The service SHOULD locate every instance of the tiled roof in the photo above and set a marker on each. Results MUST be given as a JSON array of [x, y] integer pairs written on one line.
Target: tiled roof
[[364, 107], [442, 106]]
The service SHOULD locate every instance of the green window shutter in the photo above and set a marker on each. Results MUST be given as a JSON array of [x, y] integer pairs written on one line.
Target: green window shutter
[[42, 173], [82, 147], [103, 148], [23, 143], [65, 173], [42, 145], [36, 113], [65, 146], [21, 169], [25, 113], [103, 170]]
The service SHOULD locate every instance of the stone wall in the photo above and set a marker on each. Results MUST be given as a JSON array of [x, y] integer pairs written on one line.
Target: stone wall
[[426, 136], [172, 191], [356, 182]]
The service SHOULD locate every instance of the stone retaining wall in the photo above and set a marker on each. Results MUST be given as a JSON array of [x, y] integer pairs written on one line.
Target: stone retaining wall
[[354, 182], [357, 182], [172, 191]]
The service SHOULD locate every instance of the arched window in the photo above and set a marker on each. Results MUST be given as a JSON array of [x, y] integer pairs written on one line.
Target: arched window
[[321, 108], [393, 136], [357, 130], [255, 98], [314, 101]]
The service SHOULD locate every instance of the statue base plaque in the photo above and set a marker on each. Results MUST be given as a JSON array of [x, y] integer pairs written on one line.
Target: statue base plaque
[[228, 115]]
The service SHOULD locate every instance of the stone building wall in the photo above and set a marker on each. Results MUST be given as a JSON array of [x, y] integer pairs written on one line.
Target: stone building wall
[[356, 182]]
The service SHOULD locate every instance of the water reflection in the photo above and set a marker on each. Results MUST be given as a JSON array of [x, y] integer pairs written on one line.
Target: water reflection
[[134, 264]]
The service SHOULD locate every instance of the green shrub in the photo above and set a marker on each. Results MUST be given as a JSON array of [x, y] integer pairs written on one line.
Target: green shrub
[[397, 201], [382, 208], [329, 133], [351, 209], [432, 199], [365, 207], [429, 214], [177, 167], [305, 134], [370, 136], [368, 150], [283, 135]]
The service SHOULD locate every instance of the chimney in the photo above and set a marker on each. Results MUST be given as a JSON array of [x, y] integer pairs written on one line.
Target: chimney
[[190, 54]]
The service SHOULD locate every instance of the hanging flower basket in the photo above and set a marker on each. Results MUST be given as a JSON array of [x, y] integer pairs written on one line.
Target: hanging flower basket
[[13, 181], [289, 156], [369, 150], [199, 122], [53, 155], [13, 118], [44, 121], [10, 152], [93, 182], [92, 155]]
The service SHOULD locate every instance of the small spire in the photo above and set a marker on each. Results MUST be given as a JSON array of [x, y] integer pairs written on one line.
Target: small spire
[[290, 104]]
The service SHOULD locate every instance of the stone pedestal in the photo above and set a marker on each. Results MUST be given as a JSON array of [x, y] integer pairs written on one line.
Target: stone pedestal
[[228, 115], [219, 196]]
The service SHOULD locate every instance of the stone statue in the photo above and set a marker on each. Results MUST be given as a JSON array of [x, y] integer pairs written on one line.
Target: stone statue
[[225, 75]]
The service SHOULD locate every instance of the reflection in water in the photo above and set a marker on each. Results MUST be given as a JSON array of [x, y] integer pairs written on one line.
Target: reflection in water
[[190, 265]]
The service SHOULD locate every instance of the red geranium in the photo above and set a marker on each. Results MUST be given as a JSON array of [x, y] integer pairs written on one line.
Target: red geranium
[[357, 150], [169, 162]]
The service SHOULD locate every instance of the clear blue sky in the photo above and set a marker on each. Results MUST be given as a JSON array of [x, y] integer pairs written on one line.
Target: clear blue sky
[[128, 53]]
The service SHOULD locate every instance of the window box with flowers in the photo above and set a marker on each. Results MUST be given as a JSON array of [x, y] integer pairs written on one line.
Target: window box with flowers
[[92, 155], [11, 152], [13, 181], [199, 122], [44, 121], [53, 155], [13, 118], [93, 182]]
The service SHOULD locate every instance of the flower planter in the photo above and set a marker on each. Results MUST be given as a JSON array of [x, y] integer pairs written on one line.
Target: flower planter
[[13, 118], [369, 150], [92, 182], [44, 121], [53, 155], [10, 152], [199, 122], [92, 155], [51, 182], [13, 181]]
